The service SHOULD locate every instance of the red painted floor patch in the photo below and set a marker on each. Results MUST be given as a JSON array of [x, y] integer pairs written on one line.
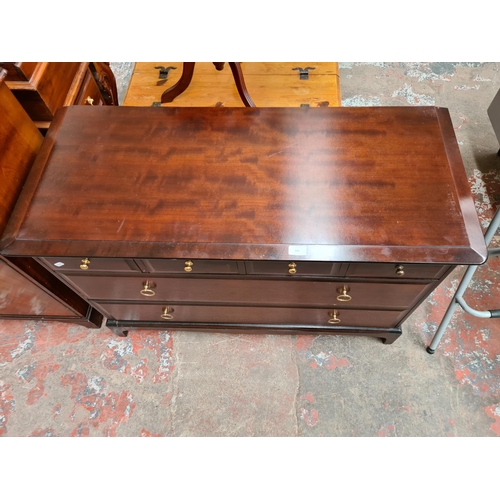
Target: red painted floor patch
[[494, 412], [387, 431], [309, 397], [124, 355], [105, 409], [310, 417]]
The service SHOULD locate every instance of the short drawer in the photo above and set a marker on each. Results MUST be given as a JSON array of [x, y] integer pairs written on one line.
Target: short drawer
[[252, 315], [292, 267], [418, 271], [190, 266], [250, 291], [85, 264]]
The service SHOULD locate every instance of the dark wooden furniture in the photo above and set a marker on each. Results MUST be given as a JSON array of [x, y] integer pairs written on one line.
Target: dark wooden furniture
[[43, 87], [187, 75], [319, 220], [27, 289]]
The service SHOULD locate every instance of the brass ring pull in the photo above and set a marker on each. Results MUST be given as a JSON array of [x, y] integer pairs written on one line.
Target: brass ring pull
[[188, 266], [292, 268], [167, 313], [333, 318], [85, 264], [343, 297], [400, 270], [89, 101], [147, 290]]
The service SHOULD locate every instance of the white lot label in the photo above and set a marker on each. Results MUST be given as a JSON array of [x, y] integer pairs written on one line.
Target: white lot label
[[297, 250]]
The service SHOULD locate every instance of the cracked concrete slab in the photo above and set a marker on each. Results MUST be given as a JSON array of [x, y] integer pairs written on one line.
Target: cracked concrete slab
[[234, 385]]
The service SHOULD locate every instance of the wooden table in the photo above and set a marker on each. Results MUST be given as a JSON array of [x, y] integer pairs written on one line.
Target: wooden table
[[284, 220]]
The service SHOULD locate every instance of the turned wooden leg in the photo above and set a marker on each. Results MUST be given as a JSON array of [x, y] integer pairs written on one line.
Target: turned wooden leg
[[219, 66], [187, 75], [240, 84]]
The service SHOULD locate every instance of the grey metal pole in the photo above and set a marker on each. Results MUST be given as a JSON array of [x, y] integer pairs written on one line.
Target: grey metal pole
[[451, 309], [492, 228]]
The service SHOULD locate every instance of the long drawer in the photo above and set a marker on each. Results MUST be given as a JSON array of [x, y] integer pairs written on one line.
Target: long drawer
[[252, 315], [250, 291]]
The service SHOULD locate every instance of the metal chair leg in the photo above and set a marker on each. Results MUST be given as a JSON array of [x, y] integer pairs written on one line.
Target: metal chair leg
[[462, 287]]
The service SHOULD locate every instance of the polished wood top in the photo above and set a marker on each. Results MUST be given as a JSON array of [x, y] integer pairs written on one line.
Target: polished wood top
[[379, 184]]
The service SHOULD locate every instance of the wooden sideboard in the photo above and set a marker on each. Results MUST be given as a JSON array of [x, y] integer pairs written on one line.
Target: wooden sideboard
[[43, 87], [278, 220], [27, 289]]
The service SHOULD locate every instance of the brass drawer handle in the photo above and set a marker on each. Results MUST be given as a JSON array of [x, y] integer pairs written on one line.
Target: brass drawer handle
[[89, 101], [85, 264], [167, 313], [400, 270], [147, 290], [292, 268], [188, 266], [333, 318], [343, 297]]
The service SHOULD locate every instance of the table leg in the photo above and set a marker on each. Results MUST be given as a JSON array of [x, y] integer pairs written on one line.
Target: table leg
[[240, 84], [106, 79], [187, 75]]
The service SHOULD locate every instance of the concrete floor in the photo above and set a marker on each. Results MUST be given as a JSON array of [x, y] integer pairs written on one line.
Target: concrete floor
[[63, 380]]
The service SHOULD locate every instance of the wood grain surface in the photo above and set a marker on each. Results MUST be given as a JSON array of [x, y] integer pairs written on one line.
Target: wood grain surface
[[269, 85], [376, 184]]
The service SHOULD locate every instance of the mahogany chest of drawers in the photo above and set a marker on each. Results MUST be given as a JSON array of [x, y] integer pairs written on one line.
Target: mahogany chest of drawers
[[278, 220]]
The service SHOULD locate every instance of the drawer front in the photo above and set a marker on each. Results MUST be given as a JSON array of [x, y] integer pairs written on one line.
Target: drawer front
[[291, 267], [84, 264], [250, 291], [190, 266], [252, 315], [90, 95], [419, 271]]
